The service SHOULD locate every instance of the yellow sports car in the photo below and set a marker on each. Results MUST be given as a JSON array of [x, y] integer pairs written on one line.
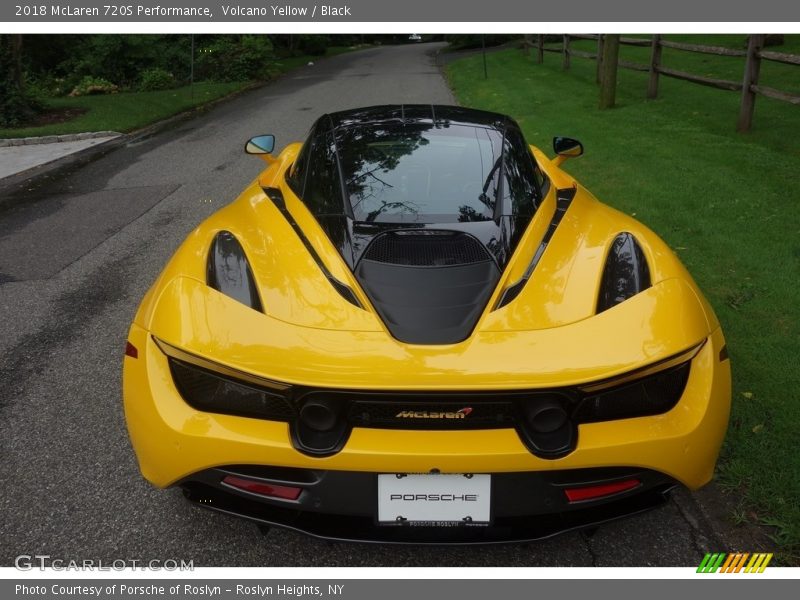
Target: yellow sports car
[[414, 327]]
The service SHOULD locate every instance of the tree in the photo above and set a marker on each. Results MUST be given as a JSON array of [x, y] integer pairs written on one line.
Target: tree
[[15, 105]]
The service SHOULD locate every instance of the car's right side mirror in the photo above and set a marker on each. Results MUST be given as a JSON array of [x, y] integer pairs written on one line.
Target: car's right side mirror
[[565, 148]]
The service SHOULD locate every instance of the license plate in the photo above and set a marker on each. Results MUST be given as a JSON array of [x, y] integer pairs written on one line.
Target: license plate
[[436, 499]]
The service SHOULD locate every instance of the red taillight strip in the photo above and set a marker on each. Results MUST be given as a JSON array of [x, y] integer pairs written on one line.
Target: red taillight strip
[[593, 492], [130, 350], [271, 490]]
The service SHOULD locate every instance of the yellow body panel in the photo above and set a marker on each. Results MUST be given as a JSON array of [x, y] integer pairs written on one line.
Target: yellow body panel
[[310, 335], [640, 331]]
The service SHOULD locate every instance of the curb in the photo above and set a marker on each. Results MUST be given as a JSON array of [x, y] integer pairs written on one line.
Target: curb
[[52, 139], [9, 184], [717, 506]]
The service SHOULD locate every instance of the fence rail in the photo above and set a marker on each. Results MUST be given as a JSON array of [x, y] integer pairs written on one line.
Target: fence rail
[[608, 52], [721, 84], [789, 59], [718, 50]]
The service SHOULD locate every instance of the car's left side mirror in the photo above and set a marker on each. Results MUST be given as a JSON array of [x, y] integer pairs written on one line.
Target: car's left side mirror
[[565, 148], [261, 145]]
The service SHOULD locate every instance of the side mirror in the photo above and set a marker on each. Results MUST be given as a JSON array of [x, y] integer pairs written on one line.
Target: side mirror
[[261, 144], [565, 148]]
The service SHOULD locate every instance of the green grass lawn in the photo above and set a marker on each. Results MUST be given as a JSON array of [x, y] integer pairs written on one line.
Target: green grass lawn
[[729, 204], [128, 111]]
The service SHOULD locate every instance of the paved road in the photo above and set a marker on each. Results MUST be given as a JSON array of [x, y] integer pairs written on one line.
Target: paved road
[[76, 255]]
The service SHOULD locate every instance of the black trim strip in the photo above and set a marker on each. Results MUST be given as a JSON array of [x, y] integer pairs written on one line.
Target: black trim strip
[[346, 205], [675, 360], [218, 369], [563, 200], [499, 204], [343, 289]]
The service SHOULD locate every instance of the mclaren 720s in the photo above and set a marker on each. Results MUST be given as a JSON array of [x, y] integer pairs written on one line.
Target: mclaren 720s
[[415, 327]]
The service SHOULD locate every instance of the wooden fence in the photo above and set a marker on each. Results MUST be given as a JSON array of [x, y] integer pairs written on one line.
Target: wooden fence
[[607, 57]]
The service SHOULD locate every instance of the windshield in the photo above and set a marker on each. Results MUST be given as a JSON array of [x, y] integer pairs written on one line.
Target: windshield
[[420, 172]]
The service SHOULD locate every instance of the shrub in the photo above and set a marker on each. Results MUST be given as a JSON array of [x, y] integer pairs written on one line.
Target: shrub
[[462, 41], [44, 85], [156, 79], [235, 58], [121, 58], [315, 45], [16, 107], [93, 85]]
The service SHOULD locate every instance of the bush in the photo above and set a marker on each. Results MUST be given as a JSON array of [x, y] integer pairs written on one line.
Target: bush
[[156, 79], [120, 58], [16, 108], [44, 85], [89, 86], [315, 45], [235, 58], [462, 41]]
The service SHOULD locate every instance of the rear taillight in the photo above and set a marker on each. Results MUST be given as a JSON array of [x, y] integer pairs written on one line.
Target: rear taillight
[[594, 492], [130, 350], [212, 392], [270, 490], [654, 394]]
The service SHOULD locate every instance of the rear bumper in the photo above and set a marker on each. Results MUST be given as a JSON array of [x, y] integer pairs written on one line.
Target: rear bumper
[[342, 505], [173, 441]]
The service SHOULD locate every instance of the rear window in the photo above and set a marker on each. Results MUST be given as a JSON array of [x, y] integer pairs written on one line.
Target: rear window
[[420, 172]]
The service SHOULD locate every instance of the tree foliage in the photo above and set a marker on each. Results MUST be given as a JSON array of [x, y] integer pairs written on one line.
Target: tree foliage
[[462, 41], [235, 58], [16, 105]]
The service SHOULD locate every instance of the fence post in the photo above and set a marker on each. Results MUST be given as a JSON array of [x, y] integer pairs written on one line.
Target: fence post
[[540, 44], [526, 44], [565, 64], [599, 74], [608, 83], [751, 68], [655, 65]]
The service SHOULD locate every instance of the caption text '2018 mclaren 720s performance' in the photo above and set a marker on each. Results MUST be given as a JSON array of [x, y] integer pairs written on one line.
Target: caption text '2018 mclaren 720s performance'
[[414, 327]]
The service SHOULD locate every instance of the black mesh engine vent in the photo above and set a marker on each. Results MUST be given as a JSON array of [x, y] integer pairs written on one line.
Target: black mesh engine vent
[[426, 249]]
